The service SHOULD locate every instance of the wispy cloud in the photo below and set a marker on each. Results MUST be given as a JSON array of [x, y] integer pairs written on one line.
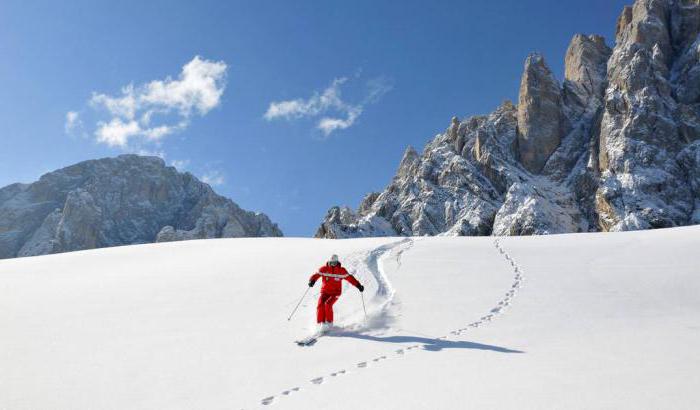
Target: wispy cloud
[[213, 178], [336, 113], [74, 125], [180, 164], [153, 110], [150, 153]]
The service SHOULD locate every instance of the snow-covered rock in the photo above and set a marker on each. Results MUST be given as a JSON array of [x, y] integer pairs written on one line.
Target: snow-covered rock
[[117, 201], [642, 184], [612, 148]]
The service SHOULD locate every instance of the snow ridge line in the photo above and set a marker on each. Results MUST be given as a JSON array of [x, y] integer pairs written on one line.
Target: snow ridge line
[[373, 263]]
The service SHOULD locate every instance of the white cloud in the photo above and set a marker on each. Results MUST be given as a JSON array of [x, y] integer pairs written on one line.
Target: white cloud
[[116, 132], [292, 109], [200, 87], [328, 124], [73, 124], [329, 100], [153, 110], [213, 178]]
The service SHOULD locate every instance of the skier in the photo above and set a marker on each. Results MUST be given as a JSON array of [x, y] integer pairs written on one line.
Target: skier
[[333, 274]]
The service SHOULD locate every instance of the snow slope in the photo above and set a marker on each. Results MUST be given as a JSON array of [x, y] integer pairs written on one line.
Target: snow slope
[[563, 321]]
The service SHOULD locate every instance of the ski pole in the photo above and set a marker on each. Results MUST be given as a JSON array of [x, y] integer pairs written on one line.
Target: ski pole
[[363, 305], [297, 306]]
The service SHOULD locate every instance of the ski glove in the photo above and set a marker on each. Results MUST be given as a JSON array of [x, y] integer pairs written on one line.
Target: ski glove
[[360, 288], [311, 284]]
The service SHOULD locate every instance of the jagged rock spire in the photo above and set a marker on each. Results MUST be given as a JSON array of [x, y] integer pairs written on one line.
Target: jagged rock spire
[[585, 67], [541, 119], [408, 161]]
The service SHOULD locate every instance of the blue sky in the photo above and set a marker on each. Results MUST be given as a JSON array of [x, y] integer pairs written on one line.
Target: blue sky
[[290, 108]]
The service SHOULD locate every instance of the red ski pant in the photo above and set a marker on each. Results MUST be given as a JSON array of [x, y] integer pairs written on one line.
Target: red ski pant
[[324, 309]]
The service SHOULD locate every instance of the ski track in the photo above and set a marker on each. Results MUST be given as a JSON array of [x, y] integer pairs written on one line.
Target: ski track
[[385, 290]]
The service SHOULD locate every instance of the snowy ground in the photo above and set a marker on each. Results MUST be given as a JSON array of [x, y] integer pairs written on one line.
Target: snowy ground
[[566, 321]]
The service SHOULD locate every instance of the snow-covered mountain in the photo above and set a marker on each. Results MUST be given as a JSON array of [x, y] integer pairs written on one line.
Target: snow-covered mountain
[[538, 322], [125, 200], [615, 147]]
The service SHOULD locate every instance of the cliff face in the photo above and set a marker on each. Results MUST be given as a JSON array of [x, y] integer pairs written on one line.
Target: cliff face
[[117, 201], [614, 147]]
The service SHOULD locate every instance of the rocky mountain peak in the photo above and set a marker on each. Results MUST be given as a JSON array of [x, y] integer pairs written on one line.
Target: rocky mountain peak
[[615, 147], [117, 201]]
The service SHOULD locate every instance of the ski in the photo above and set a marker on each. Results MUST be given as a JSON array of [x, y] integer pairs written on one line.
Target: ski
[[309, 341]]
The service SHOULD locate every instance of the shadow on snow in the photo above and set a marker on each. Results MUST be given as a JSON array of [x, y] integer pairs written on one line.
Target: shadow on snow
[[430, 344]]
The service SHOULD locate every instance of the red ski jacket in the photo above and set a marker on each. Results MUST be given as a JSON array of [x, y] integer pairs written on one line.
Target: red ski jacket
[[333, 279]]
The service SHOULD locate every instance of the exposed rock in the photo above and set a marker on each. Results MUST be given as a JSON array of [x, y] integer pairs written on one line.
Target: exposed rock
[[368, 201], [541, 119], [642, 184], [454, 128], [585, 69], [689, 159], [686, 75], [614, 148], [117, 201], [344, 223]]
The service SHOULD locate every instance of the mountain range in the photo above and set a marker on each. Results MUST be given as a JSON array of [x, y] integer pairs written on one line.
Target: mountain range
[[614, 147]]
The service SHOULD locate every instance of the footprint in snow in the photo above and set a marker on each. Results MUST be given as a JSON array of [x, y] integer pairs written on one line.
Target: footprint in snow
[[290, 391], [362, 365], [338, 373], [317, 380], [267, 400], [399, 351]]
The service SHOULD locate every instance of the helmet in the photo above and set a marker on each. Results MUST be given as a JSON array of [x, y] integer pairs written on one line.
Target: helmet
[[333, 260]]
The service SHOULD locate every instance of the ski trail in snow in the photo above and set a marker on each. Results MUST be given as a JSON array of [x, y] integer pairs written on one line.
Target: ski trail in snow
[[377, 309], [373, 262]]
